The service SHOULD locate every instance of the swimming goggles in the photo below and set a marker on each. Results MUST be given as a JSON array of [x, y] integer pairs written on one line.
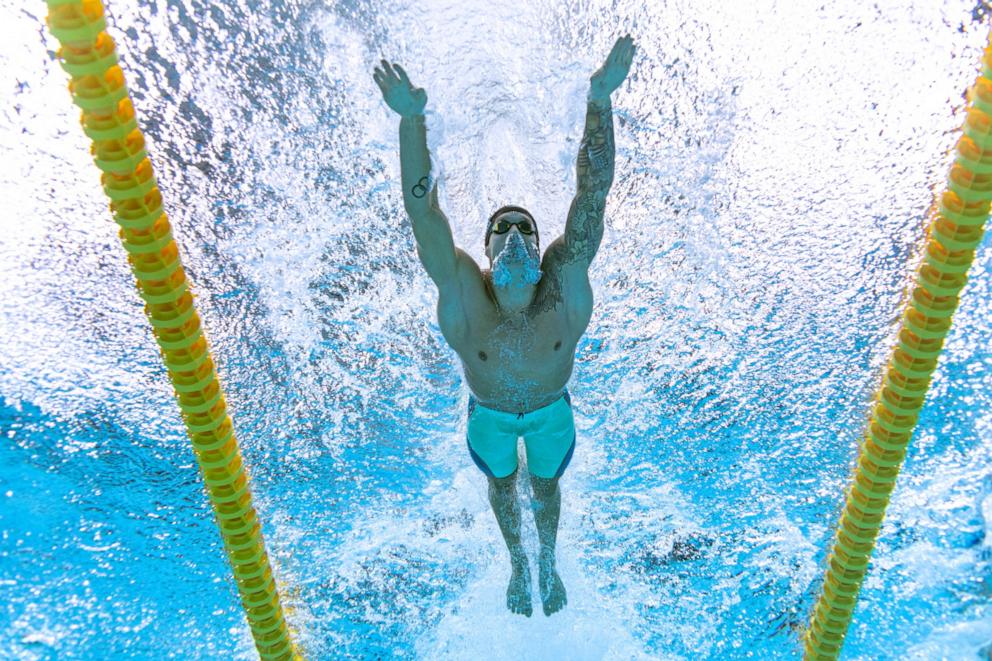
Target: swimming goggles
[[503, 226]]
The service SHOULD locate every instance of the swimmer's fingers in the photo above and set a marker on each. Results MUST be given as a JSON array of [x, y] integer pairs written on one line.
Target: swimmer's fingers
[[394, 74], [613, 72], [399, 92], [629, 50], [622, 53], [378, 77], [403, 76], [385, 75]]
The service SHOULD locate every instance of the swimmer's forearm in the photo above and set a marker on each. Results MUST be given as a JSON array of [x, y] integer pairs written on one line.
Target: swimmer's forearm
[[594, 167], [415, 162]]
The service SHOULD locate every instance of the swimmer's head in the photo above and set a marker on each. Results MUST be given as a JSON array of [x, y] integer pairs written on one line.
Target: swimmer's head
[[512, 245], [501, 225]]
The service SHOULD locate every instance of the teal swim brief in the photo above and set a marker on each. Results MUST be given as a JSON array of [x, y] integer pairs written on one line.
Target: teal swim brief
[[549, 436]]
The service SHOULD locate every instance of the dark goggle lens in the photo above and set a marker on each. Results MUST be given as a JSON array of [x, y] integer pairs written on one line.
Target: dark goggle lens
[[503, 226]]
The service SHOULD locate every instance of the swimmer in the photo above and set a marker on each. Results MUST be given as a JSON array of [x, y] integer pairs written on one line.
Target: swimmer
[[515, 325]]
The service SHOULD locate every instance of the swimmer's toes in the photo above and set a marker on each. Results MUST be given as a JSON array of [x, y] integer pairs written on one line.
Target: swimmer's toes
[[518, 595], [519, 605], [553, 595], [552, 606]]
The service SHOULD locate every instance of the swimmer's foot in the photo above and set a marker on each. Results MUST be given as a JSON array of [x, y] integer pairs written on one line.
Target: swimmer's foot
[[518, 593], [552, 589]]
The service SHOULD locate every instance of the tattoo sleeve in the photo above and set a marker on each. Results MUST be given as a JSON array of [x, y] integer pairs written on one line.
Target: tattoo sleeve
[[594, 175], [594, 169]]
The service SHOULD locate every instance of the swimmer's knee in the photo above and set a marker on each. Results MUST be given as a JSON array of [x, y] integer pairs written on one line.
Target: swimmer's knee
[[543, 486], [503, 484]]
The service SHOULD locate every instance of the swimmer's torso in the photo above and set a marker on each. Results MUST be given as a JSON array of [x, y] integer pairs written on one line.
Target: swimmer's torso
[[523, 361]]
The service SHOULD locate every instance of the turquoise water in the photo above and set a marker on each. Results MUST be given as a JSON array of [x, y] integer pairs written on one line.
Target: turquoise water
[[774, 169]]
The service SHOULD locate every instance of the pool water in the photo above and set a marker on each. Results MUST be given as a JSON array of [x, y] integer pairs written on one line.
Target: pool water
[[775, 166]]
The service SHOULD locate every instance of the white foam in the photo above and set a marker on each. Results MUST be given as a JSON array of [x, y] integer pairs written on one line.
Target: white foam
[[480, 626]]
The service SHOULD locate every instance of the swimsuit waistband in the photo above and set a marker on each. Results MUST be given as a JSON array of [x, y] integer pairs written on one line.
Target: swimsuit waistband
[[472, 401]]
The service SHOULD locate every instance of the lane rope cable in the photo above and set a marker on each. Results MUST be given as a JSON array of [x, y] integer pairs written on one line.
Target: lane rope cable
[[956, 227], [89, 55]]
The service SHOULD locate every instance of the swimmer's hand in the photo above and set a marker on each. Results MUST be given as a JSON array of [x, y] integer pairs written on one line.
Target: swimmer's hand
[[614, 71], [398, 91]]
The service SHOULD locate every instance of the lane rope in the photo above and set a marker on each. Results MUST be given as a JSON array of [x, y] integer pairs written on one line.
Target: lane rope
[[957, 224], [89, 55]]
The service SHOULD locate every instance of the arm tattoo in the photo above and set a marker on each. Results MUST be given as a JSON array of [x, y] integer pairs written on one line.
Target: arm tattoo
[[595, 163], [594, 170], [420, 189], [584, 229], [549, 294]]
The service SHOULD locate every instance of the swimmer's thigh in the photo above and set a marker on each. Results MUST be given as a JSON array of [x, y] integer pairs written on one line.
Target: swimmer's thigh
[[493, 447], [550, 444]]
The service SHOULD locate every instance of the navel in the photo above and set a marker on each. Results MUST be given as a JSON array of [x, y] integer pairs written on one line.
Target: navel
[[557, 345], [482, 354]]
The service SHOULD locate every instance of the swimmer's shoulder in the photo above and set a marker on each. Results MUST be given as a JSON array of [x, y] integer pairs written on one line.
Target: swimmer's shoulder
[[459, 312]]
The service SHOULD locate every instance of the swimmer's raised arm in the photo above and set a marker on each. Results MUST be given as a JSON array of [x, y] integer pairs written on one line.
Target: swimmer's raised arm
[[408, 102], [595, 163], [431, 228]]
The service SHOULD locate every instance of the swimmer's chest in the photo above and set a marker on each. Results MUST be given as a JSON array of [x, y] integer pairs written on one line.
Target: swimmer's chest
[[531, 345]]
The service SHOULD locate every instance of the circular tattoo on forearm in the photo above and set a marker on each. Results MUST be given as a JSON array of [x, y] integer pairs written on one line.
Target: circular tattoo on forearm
[[421, 188]]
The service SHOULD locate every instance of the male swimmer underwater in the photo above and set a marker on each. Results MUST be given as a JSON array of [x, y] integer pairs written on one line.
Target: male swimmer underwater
[[515, 326]]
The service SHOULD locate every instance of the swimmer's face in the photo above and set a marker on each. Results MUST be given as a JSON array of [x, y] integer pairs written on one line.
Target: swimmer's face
[[513, 257], [497, 242]]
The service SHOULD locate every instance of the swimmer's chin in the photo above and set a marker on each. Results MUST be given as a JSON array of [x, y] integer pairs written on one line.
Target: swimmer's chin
[[507, 281]]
